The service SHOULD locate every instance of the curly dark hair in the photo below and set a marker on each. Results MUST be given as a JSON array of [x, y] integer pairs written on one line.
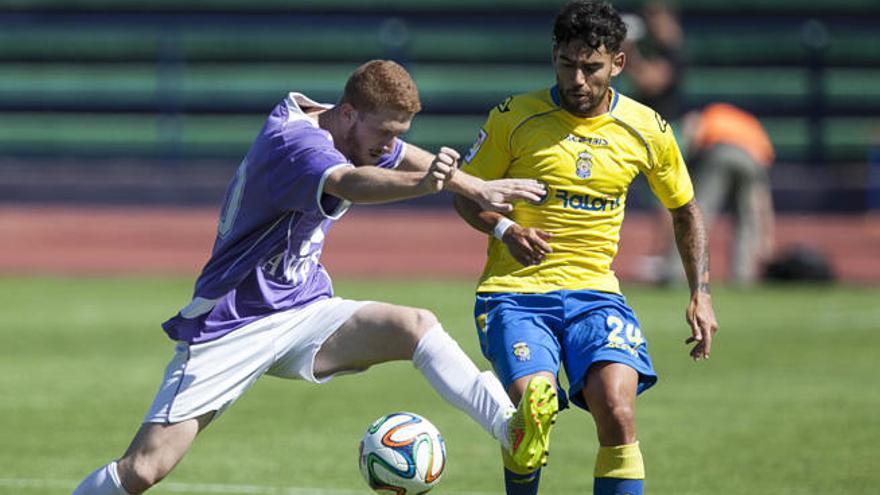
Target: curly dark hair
[[596, 23]]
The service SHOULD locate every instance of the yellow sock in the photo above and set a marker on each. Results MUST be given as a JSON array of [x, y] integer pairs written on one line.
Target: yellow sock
[[620, 461]]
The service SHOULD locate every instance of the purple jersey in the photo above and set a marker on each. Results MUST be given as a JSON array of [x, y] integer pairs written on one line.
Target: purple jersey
[[271, 229]]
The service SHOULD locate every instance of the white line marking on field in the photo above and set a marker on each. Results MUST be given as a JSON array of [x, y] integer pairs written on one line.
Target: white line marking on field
[[172, 487]]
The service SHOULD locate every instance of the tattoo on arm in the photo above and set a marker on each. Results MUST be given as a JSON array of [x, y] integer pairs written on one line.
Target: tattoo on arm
[[693, 245]]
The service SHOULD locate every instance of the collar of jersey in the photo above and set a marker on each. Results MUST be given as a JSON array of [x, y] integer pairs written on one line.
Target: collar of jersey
[[554, 95]]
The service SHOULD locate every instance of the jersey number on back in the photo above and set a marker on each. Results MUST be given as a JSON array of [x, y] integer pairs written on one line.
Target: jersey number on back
[[233, 200]]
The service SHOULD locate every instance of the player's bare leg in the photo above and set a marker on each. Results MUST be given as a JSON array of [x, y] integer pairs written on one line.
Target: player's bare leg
[[154, 452], [610, 393], [380, 332], [376, 333]]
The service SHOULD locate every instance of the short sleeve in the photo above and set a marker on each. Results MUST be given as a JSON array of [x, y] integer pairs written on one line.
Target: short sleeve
[[296, 182], [668, 178], [393, 158], [489, 157]]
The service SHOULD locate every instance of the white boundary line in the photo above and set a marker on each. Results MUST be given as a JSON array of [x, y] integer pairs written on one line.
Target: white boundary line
[[200, 488], [172, 487]]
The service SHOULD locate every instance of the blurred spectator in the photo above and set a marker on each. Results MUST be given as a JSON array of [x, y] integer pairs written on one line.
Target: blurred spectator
[[729, 154], [655, 58]]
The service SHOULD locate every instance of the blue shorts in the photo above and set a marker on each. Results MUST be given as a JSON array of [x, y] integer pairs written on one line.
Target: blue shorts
[[522, 334]]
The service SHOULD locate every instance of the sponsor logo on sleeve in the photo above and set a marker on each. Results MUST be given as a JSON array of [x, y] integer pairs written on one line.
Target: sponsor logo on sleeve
[[504, 106], [661, 122], [475, 148]]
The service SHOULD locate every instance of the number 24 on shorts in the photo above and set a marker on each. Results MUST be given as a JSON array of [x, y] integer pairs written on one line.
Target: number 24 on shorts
[[624, 336]]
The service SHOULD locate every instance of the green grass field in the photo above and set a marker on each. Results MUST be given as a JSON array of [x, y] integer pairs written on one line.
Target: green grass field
[[788, 404]]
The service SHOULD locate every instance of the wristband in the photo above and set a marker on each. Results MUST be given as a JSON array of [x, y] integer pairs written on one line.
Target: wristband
[[501, 227]]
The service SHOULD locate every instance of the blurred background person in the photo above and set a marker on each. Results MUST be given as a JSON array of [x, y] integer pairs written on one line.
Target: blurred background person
[[655, 58], [654, 72], [729, 154]]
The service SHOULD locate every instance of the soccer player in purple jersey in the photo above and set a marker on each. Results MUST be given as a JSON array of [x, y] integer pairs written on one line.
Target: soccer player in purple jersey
[[264, 304]]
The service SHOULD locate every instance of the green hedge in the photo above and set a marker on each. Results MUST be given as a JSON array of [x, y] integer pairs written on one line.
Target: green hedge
[[229, 136]]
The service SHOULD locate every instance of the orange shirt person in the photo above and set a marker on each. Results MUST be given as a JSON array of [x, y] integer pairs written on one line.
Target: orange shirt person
[[724, 123], [730, 154]]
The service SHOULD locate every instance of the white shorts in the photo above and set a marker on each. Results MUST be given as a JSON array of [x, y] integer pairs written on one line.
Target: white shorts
[[211, 376]]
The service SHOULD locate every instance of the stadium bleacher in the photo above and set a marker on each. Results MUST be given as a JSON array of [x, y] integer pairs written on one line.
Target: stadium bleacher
[[165, 81]]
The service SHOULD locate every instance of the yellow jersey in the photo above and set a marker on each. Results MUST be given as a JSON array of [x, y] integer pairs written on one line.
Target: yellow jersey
[[587, 165]]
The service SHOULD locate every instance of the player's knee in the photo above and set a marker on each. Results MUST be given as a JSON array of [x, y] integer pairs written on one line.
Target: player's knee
[[612, 411], [417, 322], [408, 326], [425, 321], [622, 415], [616, 424]]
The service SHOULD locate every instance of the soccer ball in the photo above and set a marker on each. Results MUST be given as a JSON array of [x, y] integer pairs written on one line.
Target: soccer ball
[[402, 454]]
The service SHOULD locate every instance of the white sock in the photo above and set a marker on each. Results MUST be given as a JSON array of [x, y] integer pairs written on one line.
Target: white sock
[[458, 380], [103, 481]]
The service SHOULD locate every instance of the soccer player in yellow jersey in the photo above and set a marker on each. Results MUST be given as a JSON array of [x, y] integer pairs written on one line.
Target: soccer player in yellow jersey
[[548, 295]]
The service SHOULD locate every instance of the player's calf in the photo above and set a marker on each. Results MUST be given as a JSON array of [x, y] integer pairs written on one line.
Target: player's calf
[[140, 474], [153, 453], [128, 476]]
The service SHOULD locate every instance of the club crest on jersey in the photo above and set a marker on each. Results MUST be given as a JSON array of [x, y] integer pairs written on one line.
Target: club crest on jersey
[[475, 148], [583, 167], [521, 351]]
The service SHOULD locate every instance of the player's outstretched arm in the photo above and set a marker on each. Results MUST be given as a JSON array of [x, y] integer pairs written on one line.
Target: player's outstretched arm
[[528, 246], [378, 185], [493, 195], [693, 247]]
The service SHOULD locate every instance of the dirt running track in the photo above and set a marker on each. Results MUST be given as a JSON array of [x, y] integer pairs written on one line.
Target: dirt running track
[[365, 243]]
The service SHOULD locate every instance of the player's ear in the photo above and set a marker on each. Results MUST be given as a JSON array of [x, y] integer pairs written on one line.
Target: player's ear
[[349, 113], [618, 61]]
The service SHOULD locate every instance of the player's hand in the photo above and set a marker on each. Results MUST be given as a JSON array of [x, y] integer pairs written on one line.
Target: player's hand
[[498, 195], [528, 246], [441, 170], [701, 318]]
